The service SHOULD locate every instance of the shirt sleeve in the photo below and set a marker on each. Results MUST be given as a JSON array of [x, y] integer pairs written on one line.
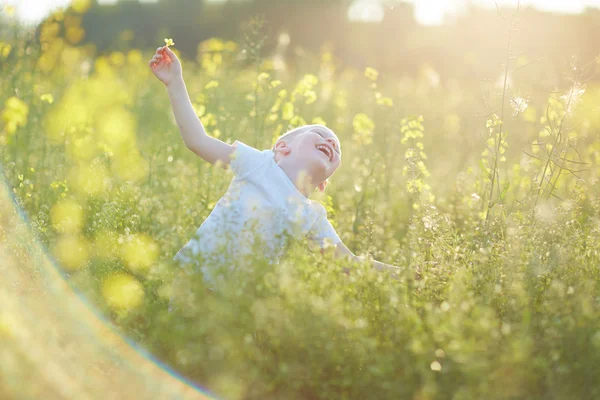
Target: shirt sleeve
[[245, 159], [322, 232]]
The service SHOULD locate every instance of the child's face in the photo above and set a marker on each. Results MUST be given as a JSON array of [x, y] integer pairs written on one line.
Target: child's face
[[316, 151]]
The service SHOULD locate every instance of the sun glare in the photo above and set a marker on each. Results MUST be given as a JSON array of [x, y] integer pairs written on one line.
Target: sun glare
[[430, 12], [426, 12], [33, 11], [366, 11]]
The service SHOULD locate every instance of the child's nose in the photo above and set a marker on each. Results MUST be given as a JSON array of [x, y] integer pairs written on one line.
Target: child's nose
[[332, 141]]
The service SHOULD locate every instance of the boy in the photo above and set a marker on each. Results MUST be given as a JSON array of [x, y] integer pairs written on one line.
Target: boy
[[268, 196]]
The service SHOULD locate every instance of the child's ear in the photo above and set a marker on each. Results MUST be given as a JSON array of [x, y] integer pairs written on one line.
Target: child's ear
[[323, 185], [282, 147]]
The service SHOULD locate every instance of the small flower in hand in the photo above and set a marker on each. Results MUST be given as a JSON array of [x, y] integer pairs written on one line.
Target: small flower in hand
[[169, 42]]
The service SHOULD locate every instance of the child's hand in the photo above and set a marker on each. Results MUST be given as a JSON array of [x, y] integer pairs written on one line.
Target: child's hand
[[165, 65]]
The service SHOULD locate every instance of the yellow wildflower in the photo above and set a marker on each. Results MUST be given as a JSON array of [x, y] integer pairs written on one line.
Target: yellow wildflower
[[310, 96], [230, 46], [211, 84], [74, 34], [122, 292], [14, 114], [169, 42], [81, 6], [67, 216], [212, 44], [5, 49], [371, 73], [263, 76], [71, 251], [140, 253], [47, 98]]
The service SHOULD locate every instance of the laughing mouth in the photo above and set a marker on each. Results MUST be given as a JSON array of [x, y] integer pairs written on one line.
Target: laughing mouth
[[327, 150]]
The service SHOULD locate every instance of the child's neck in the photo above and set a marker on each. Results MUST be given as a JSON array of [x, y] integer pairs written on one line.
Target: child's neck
[[301, 179]]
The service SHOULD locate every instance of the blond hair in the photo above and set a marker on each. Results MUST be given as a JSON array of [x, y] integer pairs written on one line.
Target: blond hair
[[289, 135]]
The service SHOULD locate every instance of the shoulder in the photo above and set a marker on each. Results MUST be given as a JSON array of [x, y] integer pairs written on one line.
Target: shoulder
[[245, 158], [243, 150]]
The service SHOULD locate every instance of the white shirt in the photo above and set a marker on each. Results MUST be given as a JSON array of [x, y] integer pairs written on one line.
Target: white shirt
[[260, 207]]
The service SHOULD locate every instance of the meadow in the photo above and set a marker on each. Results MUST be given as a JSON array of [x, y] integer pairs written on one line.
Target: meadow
[[487, 200]]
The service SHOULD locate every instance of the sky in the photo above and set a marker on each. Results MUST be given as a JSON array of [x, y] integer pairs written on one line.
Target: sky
[[427, 12]]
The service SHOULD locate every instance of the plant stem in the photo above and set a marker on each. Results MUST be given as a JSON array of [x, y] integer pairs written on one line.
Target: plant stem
[[499, 139], [557, 140]]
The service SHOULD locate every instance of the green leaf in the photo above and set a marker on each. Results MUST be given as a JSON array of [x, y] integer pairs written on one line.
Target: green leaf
[[504, 190], [484, 169]]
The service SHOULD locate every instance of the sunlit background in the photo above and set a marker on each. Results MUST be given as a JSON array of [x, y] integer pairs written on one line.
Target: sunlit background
[[427, 12]]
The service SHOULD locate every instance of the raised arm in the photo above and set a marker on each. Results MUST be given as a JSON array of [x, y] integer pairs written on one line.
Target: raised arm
[[167, 68]]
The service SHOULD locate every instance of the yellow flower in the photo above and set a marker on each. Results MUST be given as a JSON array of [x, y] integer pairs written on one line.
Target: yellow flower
[[169, 42], [134, 57], [384, 101], [140, 253], [75, 34], [72, 251], [230, 46], [371, 73], [263, 76], [364, 128], [117, 58], [310, 80], [363, 124], [67, 216], [212, 44], [122, 292], [47, 98], [5, 49], [14, 114], [310, 96], [81, 6], [211, 84]]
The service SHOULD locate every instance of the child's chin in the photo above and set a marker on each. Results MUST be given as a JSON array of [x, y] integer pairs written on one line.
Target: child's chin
[[323, 166]]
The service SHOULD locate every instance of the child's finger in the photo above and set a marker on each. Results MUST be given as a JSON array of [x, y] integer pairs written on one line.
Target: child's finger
[[169, 52], [156, 60]]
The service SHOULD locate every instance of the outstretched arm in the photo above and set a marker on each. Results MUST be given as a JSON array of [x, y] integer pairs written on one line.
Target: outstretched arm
[[341, 251]]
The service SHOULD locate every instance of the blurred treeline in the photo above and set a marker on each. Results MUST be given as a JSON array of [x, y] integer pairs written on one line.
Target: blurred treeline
[[467, 46]]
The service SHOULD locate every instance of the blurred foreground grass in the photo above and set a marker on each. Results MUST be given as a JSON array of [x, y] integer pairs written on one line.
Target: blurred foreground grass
[[495, 209]]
